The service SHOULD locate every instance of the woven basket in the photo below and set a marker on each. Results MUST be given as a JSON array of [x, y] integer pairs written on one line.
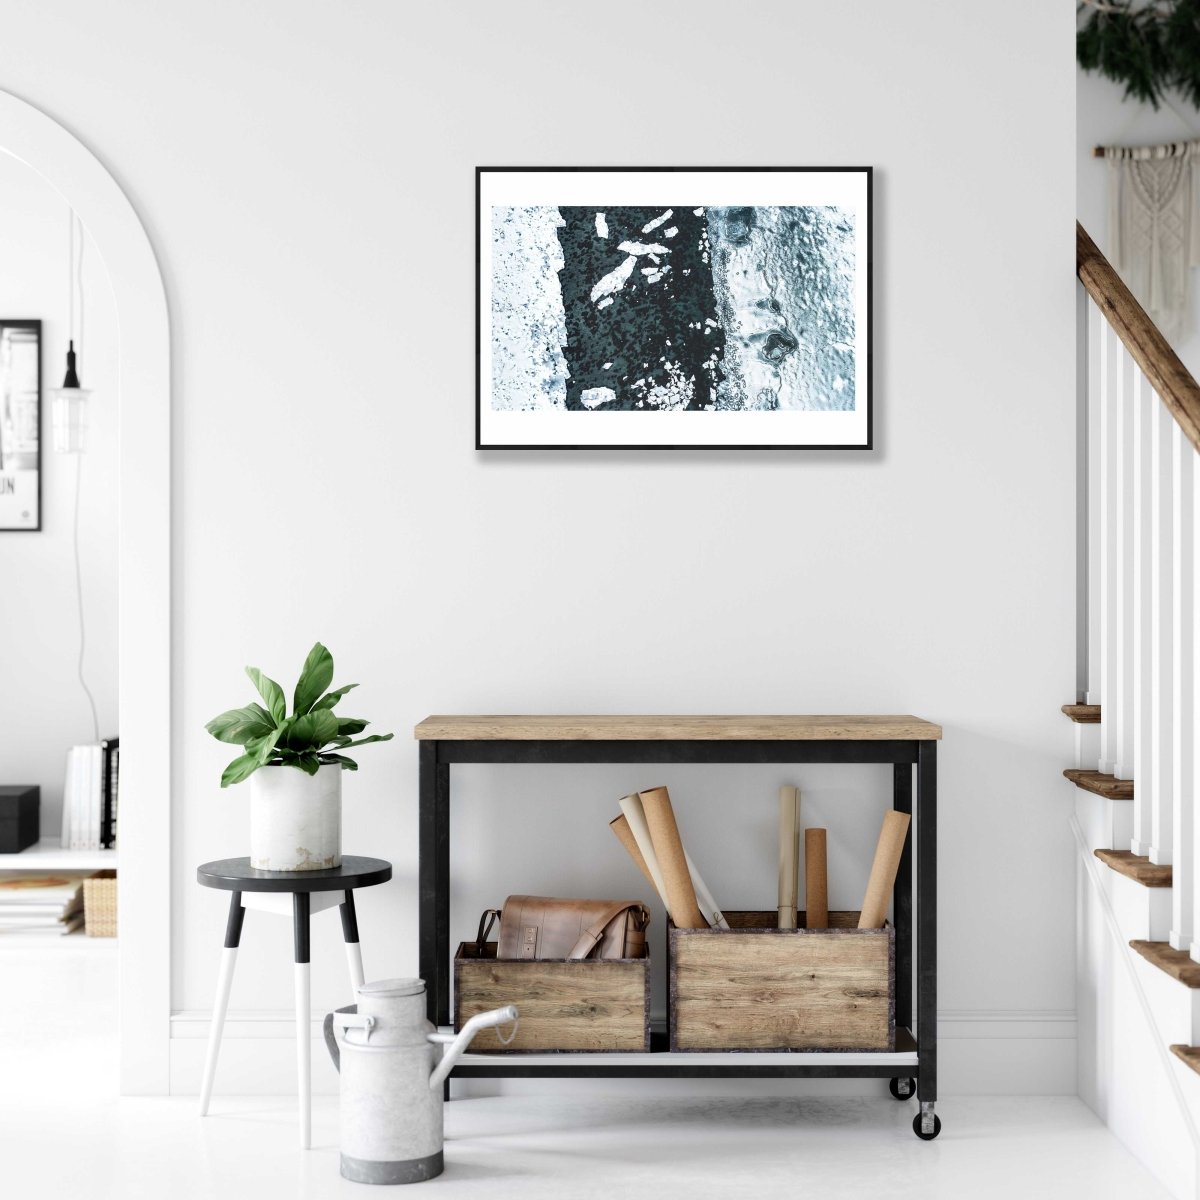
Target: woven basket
[[100, 904]]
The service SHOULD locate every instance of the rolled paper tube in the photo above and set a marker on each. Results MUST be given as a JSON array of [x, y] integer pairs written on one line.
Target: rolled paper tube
[[816, 880], [789, 853], [883, 870], [704, 898], [672, 862], [620, 826], [635, 818], [632, 824]]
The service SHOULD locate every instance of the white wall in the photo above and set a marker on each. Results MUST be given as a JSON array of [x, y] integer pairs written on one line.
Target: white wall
[[306, 173], [1104, 118], [43, 710]]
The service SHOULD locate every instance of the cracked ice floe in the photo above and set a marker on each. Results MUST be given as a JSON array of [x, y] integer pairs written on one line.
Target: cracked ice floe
[[615, 280], [675, 393], [642, 248], [658, 221], [594, 397], [601, 225]]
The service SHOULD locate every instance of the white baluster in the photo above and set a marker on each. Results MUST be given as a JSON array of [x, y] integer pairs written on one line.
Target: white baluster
[[1109, 523], [1183, 730], [1145, 405], [1159, 759], [1126, 402], [1192, 677], [1095, 345]]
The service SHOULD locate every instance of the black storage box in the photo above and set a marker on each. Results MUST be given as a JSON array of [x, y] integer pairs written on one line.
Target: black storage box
[[19, 816]]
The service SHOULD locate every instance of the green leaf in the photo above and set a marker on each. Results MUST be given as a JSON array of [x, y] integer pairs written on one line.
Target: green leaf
[[348, 764], [263, 748], [351, 725], [241, 768], [241, 725], [309, 763], [375, 737], [315, 676], [310, 731], [331, 698], [271, 692]]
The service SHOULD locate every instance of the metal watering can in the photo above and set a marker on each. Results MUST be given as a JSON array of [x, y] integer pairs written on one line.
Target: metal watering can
[[388, 1057]]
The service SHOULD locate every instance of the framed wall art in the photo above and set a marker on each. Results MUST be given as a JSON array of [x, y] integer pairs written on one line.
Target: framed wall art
[[20, 425], [673, 307]]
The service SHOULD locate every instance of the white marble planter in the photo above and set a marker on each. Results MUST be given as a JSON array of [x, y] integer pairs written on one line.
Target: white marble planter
[[295, 819]]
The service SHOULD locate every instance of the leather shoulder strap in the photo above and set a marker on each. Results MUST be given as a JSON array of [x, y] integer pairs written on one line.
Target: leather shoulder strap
[[595, 931], [485, 927]]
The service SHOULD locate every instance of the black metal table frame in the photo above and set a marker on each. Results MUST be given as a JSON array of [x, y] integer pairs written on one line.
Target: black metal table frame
[[437, 757]]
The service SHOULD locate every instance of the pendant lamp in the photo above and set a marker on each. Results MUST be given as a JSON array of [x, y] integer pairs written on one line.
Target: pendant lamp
[[69, 403]]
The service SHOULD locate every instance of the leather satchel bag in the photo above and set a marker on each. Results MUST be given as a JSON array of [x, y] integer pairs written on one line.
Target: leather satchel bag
[[543, 927]]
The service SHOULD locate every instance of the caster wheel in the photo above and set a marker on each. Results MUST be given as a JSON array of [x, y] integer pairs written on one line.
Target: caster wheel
[[902, 1089], [927, 1137]]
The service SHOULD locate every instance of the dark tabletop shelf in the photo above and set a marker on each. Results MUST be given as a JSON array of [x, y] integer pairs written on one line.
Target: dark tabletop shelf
[[237, 875]]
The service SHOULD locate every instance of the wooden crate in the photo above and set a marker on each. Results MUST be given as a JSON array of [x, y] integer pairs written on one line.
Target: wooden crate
[[593, 1005], [756, 987]]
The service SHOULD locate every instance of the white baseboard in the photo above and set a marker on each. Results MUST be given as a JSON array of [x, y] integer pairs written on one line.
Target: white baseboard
[[1018, 1052]]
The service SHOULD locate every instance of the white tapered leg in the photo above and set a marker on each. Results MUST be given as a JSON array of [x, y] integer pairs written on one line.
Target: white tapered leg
[[220, 1007], [354, 960], [303, 1052]]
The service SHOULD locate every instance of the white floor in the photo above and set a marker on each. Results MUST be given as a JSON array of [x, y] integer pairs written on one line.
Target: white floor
[[64, 1136], [527, 1148]]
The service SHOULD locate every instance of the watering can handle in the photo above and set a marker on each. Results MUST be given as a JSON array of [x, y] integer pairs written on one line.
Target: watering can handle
[[331, 1042], [343, 1017]]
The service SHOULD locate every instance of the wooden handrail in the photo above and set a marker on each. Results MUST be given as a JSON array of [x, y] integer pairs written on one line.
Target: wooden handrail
[[1146, 345]]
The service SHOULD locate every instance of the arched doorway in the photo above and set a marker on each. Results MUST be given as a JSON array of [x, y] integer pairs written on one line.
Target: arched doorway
[[144, 577]]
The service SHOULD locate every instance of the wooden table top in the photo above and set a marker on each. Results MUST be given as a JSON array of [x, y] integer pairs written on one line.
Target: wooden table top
[[856, 728]]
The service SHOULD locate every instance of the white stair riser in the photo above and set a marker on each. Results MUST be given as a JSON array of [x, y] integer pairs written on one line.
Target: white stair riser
[[1087, 746], [1176, 1007], [1143, 914], [1107, 824]]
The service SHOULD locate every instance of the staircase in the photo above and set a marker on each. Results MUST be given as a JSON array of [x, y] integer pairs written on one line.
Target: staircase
[[1135, 722]]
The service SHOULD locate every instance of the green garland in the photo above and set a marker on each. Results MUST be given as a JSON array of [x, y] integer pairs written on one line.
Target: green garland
[[1150, 48]]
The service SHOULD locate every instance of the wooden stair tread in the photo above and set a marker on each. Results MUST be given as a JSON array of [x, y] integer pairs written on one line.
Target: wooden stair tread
[[1083, 714], [1189, 1055], [1136, 867], [1176, 963], [1108, 786]]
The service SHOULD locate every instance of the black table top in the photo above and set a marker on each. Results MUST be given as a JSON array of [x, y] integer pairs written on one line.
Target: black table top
[[237, 875]]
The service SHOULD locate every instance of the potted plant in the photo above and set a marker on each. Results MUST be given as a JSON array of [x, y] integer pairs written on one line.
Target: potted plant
[[294, 764]]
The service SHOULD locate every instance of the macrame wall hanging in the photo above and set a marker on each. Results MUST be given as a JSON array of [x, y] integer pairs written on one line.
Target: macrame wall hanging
[[1154, 191], [1154, 225]]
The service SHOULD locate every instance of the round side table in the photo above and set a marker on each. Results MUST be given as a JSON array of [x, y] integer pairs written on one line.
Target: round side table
[[310, 892]]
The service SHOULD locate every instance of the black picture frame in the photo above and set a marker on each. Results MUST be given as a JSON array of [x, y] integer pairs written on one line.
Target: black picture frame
[[21, 430], [863, 346]]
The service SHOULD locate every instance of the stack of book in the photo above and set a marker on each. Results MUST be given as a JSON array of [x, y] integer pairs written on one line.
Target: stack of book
[[90, 793], [41, 902]]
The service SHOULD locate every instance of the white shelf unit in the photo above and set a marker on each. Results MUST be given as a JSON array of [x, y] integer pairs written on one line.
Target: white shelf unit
[[64, 941], [48, 855]]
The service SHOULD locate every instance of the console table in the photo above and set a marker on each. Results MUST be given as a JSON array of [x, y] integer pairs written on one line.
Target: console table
[[901, 742]]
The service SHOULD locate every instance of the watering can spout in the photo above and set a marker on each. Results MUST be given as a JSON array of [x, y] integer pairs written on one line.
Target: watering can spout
[[454, 1051]]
